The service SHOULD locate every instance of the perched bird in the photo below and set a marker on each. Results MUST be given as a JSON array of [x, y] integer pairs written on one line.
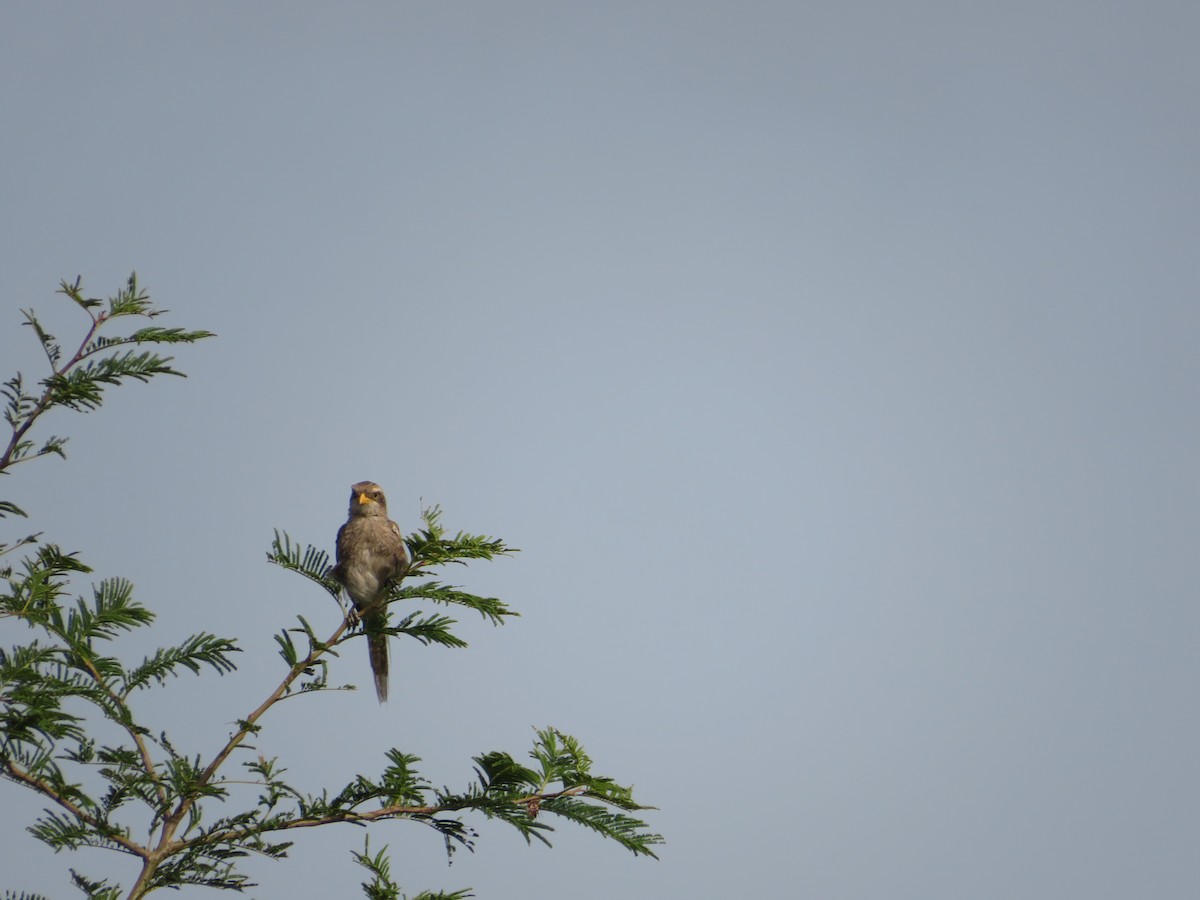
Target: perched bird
[[370, 555]]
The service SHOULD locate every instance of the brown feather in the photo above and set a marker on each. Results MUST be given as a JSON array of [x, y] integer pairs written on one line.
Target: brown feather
[[371, 554]]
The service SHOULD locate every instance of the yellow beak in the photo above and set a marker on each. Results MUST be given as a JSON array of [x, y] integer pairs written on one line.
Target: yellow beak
[[363, 498]]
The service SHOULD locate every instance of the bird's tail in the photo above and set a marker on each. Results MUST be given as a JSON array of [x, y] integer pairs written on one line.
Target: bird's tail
[[377, 647]]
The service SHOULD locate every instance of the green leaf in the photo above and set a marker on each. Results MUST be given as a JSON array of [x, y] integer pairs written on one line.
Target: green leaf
[[132, 301], [113, 610], [53, 350], [53, 444], [428, 629], [19, 404], [81, 387], [287, 649], [153, 335], [198, 650], [498, 770], [34, 594], [400, 785], [308, 561], [95, 890], [625, 830], [490, 608], [381, 886], [430, 546], [8, 508], [75, 292], [168, 336], [6, 571]]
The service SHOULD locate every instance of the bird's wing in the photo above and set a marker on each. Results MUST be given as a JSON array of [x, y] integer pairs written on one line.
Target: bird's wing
[[400, 549], [338, 570]]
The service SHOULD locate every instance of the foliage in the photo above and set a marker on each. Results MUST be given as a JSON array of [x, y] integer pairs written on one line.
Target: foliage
[[78, 383], [173, 812]]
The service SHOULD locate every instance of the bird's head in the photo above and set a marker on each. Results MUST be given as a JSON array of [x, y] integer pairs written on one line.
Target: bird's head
[[366, 499]]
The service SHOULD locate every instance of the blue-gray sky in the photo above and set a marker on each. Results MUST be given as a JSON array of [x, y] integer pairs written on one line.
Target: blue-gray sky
[[833, 364]]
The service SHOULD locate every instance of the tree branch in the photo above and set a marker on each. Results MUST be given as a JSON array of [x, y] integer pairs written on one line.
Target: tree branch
[[171, 823], [127, 724], [397, 811], [45, 401], [42, 787]]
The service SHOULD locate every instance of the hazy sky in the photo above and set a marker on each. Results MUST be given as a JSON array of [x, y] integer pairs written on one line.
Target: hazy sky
[[834, 365]]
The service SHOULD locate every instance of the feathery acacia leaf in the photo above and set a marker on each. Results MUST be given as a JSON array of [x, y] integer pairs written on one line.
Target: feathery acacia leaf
[[32, 714], [625, 830], [19, 403], [430, 547], [8, 508], [197, 651], [308, 561], [150, 335], [45, 338], [112, 611], [33, 594], [81, 387], [428, 629], [75, 292], [132, 301], [382, 887], [78, 382], [60, 830], [490, 608], [287, 648], [583, 797], [95, 890]]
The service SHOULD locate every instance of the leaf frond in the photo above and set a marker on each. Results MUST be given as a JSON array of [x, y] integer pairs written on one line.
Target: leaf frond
[[198, 650], [8, 508], [308, 561], [491, 608], [428, 629]]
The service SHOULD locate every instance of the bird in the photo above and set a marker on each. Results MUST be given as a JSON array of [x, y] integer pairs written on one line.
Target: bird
[[371, 555]]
